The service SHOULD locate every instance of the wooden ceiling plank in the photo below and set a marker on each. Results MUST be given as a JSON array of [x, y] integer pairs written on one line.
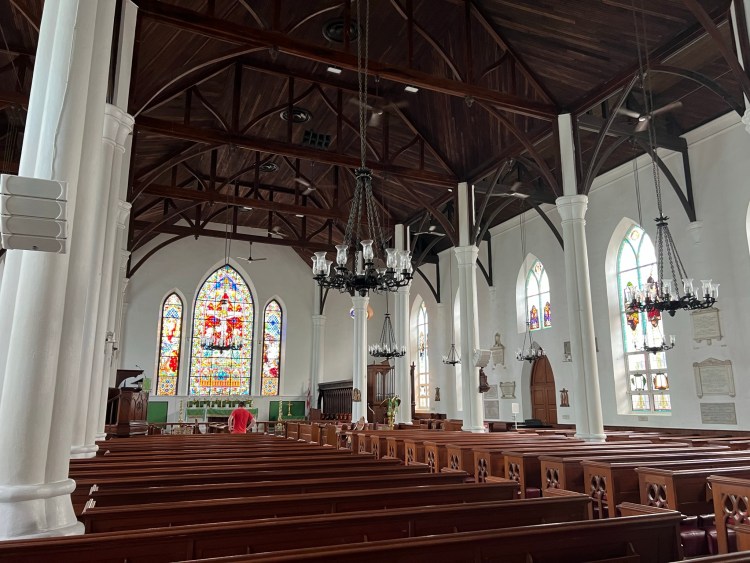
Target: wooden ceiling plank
[[487, 24], [227, 31], [31, 21], [631, 7], [212, 137]]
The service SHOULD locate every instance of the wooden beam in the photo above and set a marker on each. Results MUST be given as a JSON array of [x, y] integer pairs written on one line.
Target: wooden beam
[[185, 194], [14, 98], [202, 24], [188, 231], [594, 124], [201, 135]]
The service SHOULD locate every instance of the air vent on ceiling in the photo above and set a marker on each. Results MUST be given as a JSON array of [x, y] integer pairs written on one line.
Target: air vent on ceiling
[[299, 115], [333, 30], [316, 140], [269, 167]]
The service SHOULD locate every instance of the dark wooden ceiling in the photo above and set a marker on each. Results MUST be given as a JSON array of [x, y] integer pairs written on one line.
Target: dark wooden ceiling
[[212, 78]]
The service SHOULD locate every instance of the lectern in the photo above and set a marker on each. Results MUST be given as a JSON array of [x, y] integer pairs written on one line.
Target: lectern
[[126, 408]]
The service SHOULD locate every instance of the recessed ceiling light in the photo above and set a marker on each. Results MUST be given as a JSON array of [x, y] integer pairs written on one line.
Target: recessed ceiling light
[[334, 69], [299, 115], [269, 167], [450, 190], [412, 89], [299, 215], [246, 208]]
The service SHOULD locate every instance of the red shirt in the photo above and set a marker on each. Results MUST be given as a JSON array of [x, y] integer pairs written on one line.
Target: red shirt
[[241, 418]]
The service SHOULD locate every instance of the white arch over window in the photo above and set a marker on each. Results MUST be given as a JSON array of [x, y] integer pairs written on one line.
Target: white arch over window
[[533, 303], [641, 378]]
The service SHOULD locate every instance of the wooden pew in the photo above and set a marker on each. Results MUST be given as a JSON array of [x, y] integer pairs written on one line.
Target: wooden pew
[[649, 538], [685, 490], [255, 536], [243, 475], [145, 495], [133, 517], [731, 507], [611, 482]]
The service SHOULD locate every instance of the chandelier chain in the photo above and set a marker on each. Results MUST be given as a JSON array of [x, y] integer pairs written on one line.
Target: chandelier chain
[[362, 76]]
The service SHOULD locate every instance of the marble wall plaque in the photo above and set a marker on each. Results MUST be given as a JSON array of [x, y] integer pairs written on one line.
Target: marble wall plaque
[[706, 325], [491, 394], [491, 410], [714, 377], [718, 413]]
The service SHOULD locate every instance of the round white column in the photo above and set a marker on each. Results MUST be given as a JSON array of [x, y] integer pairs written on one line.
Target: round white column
[[117, 127], [316, 365], [402, 367], [37, 401], [466, 257], [359, 346], [587, 400], [446, 373]]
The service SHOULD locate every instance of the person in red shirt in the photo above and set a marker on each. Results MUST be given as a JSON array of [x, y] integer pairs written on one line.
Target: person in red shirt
[[240, 419]]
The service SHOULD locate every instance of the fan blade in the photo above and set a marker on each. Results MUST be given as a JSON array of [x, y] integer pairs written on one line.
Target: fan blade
[[668, 107], [375, 119], [308, 191], [433, 233], [516, 185], [629, 113], [303, 182], [642, 124]]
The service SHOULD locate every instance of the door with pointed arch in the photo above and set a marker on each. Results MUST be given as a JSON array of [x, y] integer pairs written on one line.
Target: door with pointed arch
[[543, 395]]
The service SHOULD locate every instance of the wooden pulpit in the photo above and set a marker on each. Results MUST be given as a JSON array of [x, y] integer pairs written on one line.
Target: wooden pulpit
[[126, 408]]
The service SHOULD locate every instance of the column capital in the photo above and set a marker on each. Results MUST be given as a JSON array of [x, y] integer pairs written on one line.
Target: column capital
[[572, 207], [123, 213], [117, 126], [124, 257], [466, 255]]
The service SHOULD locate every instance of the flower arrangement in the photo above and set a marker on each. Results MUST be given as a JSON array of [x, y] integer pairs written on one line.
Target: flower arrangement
[[391, 404]]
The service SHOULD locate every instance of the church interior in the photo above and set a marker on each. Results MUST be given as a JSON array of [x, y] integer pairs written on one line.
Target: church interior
[[469, 265]]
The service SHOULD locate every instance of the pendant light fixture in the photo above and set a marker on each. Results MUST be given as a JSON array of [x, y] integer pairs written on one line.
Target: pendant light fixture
[[386, 346], [523, 354], [452, 358]]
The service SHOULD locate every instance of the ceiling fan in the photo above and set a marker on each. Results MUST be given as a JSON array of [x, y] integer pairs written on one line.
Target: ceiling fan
[[508, 191], [431, 230], [250, 258], [276, 232], [377, 110], [645, 118], [309, 186]]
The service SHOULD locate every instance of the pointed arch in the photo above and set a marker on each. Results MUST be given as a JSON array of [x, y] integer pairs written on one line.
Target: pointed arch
[[421, 347], [641, 378], [222, 336], [273, 324], [533, 303], [170, 345]]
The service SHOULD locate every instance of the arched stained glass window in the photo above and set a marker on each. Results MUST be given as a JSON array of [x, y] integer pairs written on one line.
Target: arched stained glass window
[[170, 337], [222, 352], [538, 309], [648, 382], [272, 325], [423, 360]]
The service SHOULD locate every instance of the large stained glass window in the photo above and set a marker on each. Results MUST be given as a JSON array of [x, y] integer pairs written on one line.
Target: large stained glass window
[[272, 325], [648, 382], [423, 360], [170, 336], [221, 361], [538, 309]]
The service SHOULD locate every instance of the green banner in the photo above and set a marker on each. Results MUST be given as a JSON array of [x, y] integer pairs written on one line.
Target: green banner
[[204, 412], [295, 412]]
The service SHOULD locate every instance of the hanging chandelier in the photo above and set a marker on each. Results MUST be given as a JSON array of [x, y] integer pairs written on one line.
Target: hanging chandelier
[[386, 346], [358, 273], [663, 295], [452, 358], [531, 354]]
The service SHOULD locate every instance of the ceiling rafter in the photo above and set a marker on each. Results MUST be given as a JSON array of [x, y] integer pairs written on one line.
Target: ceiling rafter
[[205, 25], [213, 137]]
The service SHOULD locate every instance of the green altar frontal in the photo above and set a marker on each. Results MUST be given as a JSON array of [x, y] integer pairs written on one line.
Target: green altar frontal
[[205, 412], [297, 410]]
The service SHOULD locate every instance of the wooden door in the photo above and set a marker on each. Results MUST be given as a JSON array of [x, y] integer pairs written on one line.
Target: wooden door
[[543, 395]]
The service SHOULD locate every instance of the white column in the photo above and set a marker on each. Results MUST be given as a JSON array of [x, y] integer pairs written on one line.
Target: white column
[[359, 345], [402, 369], [572, 209], [114, 316], [118, 126], [318, 347], [447, 374], [38, 401], [735, 29]]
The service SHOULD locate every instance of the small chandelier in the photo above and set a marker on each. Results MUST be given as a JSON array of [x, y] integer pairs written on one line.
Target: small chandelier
[[663, 347], [452, 358], [360, 275], [386, 346], [532, 353]]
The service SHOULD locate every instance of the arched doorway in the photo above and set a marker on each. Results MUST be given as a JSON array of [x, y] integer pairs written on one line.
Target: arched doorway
[[543, 396]]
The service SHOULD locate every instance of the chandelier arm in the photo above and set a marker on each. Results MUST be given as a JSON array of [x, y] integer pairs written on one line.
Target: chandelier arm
[[680, 266]]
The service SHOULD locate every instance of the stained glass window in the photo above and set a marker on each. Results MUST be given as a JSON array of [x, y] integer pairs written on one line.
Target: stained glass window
[[647, 373], [272, 324], [423, 361], [170, 335], [222, 353], [538, 309]]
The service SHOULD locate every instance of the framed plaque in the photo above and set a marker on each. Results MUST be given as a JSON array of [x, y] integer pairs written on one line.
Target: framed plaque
[[491, 410], [491, 394], [714, 377], [706, 325], [718, 413]]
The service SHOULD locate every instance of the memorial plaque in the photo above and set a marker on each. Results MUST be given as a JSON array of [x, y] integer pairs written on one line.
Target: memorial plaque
[[491, 394], [718, 413], [706, 325], [491, 410], [714, 377]]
